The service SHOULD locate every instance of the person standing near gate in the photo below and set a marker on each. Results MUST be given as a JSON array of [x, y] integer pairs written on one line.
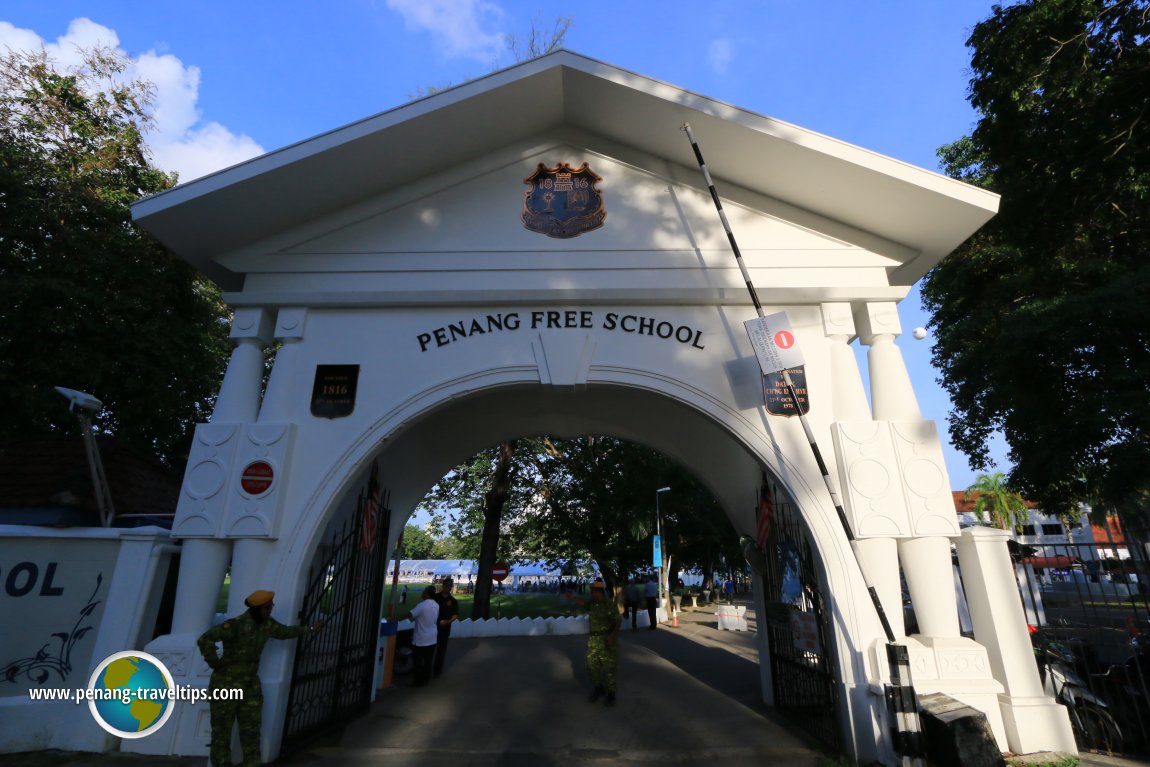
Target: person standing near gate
[[424, 615], [448, 614], [631, 602], [603, 642], [243, 638], [651, 591]]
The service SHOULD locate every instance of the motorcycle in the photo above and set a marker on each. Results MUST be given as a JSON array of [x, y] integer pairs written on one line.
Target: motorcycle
[[1094, 725]]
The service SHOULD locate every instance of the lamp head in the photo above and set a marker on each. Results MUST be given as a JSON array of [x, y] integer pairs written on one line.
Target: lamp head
[[662, 490], [81, 400]]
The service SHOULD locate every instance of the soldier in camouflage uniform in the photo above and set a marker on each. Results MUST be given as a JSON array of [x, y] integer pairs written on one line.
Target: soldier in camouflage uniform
[[602, 644], [243, 638]]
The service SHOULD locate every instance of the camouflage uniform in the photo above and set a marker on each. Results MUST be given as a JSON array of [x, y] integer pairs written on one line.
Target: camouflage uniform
[[244, 640], [603, 658]]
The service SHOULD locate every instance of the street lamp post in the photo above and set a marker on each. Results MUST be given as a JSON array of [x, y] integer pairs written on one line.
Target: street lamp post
[[662, 548], [85, 406]]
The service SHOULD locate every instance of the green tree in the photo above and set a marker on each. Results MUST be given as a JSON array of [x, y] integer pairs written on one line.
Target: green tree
[[992, 495], [588, 498], [1042, 319], [417, 543], [87, 300]]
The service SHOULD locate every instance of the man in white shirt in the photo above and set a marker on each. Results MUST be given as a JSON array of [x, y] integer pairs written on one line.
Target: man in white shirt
[[425, 616]]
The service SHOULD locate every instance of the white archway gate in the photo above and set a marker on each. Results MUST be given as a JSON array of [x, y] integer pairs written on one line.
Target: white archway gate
[[533, 253]]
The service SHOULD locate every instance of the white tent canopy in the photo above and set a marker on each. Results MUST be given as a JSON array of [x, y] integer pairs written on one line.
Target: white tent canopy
[[426, 570]]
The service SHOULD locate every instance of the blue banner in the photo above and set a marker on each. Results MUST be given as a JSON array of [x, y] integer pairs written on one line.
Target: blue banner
[[657, 559]]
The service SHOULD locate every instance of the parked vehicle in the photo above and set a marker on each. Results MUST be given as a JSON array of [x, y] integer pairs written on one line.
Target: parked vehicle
[[1091, 716]]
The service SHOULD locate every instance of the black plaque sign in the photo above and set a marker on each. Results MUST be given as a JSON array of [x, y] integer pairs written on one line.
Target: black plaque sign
[[778, 398], [333, 395]]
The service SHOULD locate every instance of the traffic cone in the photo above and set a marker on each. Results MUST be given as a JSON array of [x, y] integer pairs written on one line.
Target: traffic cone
[[674, 619]]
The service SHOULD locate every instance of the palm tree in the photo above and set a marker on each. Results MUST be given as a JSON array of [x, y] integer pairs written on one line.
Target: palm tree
[[991, 493]]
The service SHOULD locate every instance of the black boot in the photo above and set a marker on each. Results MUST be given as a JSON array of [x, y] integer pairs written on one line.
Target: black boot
[[597, 694]]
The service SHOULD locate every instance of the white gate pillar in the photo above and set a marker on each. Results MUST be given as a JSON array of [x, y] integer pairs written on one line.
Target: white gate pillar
[[925, 557], [269, 439], [1033, 721], [877, 553], [204, 557], [200, 521]]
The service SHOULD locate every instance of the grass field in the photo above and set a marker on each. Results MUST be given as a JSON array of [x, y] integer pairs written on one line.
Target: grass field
[[502, 606]]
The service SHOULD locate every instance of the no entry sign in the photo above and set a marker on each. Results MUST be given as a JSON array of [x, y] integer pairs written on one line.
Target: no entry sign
[[499, 571], [257, 477], [774, 342]]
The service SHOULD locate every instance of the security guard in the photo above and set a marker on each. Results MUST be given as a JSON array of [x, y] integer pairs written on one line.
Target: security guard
[[602, 644], [243, 638]]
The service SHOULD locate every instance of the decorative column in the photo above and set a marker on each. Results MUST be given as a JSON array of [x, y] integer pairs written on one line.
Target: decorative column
[[1033, 721], [916, 499], [209, 480], [853, 433], [199, 514], [925, 553], [253, 515]]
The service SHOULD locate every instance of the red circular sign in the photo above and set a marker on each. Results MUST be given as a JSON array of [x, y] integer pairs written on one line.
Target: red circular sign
[[257, 477], [499, 571], [784, 339]]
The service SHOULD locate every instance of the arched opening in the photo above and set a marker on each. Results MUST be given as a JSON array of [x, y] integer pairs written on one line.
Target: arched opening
[[421, 447]]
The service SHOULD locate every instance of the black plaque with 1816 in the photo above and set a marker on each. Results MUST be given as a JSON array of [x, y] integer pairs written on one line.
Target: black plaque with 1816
[[333, 395]]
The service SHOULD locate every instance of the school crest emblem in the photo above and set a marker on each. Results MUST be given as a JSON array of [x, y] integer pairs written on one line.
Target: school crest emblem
[[563, 201]]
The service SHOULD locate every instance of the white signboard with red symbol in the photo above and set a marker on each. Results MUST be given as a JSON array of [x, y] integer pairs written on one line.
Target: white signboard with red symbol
[[774, 342]]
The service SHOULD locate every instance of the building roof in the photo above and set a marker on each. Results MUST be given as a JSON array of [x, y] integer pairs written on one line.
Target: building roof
[[589, 103], [47, 480], [964, 505]]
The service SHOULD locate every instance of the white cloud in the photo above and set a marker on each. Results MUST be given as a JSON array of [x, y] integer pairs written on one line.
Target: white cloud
[[455, 25], [720, 53], [180, 139]]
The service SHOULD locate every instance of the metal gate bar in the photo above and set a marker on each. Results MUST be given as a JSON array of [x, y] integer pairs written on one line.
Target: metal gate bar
[[1090, 610], [334, 668], [802, 670]]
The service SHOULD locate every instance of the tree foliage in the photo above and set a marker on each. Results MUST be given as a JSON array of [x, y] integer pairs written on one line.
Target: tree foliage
[[1042, 319], [417, 543], [591, 498], [87, 300]]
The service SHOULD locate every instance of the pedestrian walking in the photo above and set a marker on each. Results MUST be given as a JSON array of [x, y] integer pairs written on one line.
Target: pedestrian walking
[[603, 642], [448, 614], [631, 597], [651, 592], [424, 615], [243, 639]]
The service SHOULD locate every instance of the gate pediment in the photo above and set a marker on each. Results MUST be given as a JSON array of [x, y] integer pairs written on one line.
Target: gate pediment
[[444, 175], [463, 231]]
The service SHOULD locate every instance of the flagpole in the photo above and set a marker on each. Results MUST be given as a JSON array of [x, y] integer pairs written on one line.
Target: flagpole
[[905, 710]]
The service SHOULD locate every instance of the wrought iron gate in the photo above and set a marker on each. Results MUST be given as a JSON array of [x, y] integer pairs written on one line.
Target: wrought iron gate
[[1089, 613], [335, 667], [802, 668]]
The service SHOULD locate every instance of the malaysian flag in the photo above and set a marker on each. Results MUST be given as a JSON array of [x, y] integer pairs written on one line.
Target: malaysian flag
[[369, 530], [766, 517]]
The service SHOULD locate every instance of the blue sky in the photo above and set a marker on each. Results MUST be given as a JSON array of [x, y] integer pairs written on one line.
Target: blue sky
[[240, 78]]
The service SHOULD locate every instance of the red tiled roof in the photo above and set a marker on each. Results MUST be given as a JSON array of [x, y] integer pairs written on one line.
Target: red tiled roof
[[961, 504], [52, 471]]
